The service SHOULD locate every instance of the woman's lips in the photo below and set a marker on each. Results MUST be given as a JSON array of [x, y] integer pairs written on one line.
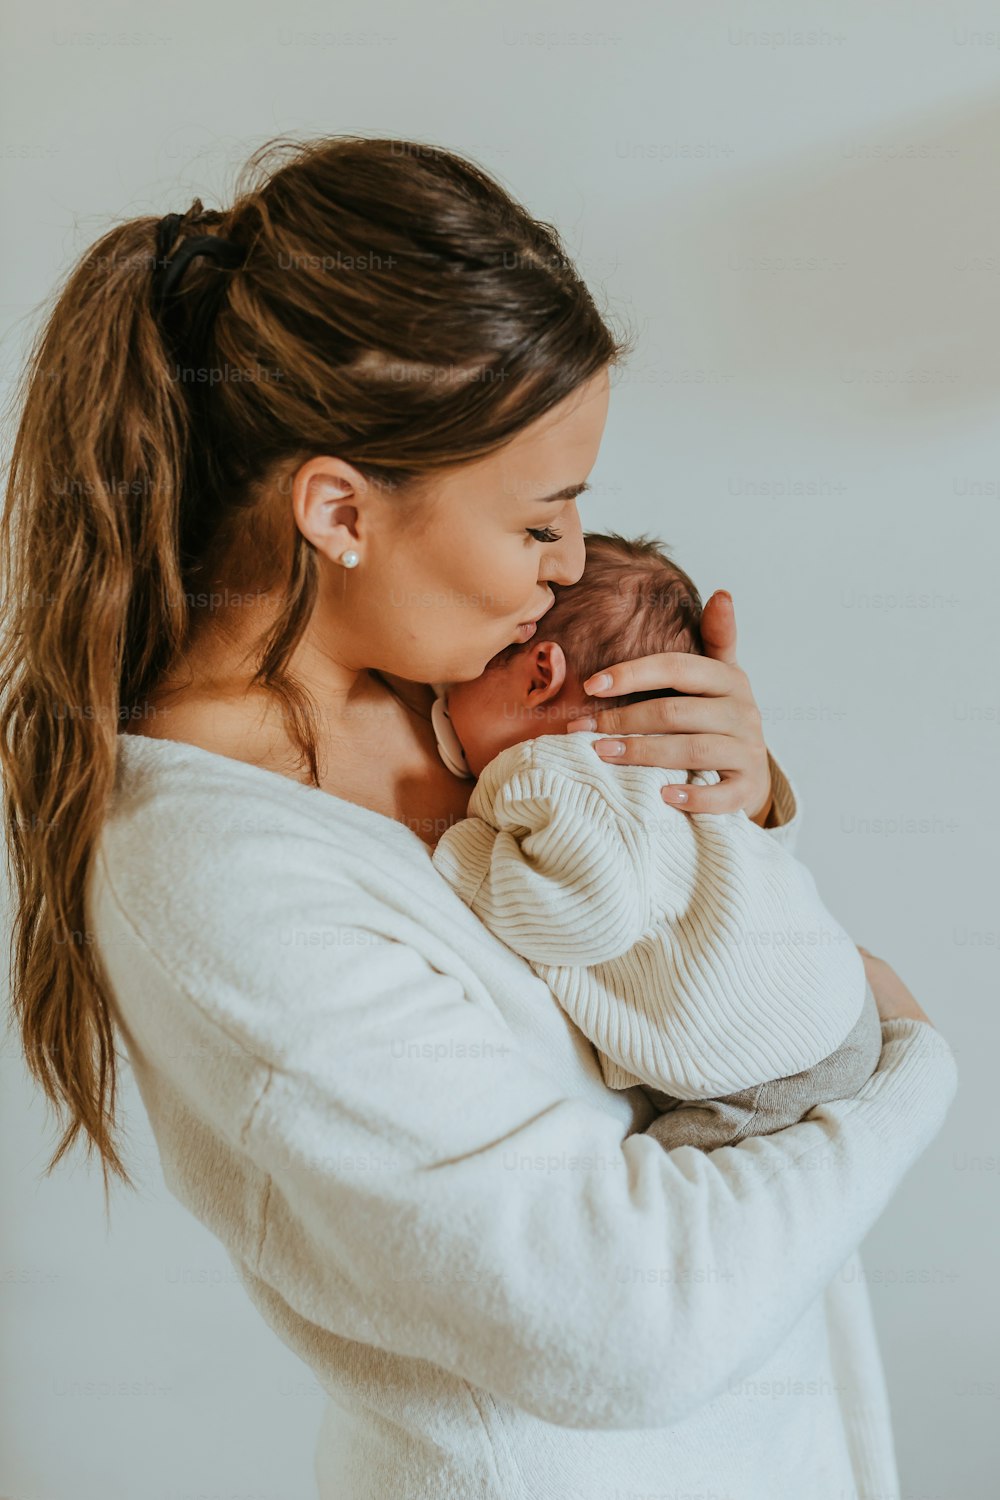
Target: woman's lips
[[527, 628]]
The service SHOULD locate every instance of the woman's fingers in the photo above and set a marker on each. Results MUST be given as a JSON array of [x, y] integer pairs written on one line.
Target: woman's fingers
[[726, 796], [709, 722], [663, 716], [688, 752], [676, 669], [718, 627]]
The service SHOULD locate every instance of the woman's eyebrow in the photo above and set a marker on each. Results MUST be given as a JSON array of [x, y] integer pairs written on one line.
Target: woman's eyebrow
[[569, 493]]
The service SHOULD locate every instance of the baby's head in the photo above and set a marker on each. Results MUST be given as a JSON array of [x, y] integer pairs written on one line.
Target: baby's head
[[632, 600]]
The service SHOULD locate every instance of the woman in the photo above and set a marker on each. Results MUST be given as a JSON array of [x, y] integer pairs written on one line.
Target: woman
[[278, 470]]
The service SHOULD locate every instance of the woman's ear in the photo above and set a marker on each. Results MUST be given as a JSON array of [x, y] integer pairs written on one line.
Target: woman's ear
[[546, 672], [327, 505]]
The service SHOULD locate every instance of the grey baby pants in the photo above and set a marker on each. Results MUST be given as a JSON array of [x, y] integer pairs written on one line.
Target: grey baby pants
[[709, 1123]]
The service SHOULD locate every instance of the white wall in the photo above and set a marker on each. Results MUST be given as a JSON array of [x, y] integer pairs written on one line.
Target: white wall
[[806, 232]]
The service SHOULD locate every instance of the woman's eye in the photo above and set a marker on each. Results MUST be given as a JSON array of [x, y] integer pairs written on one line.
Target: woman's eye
[[543, 533]]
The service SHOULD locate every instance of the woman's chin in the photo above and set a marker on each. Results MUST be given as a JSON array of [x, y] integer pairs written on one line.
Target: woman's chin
[[456, 673]]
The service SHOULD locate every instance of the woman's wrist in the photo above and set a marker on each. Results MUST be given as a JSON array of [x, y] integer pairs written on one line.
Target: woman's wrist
[[764, 816], [894, 999]]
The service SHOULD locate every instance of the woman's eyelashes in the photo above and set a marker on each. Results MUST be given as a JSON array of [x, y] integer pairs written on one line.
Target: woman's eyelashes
[[543, 533]]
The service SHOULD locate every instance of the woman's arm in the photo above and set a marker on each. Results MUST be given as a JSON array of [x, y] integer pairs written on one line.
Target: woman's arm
[[895, 1001], [518, 1242], [430, 1191]]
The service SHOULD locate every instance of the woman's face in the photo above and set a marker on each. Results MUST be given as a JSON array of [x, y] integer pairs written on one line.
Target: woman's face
[[435, 598]]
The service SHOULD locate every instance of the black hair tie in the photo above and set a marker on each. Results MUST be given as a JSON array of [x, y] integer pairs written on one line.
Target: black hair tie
[[168, 269]]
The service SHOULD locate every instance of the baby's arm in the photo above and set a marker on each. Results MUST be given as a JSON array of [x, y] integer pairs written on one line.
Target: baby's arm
[[739, 975], [749, 978], [546, 861]]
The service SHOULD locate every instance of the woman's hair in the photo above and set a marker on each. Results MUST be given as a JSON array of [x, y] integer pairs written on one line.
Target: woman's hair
[[390, 304], [631, 600]]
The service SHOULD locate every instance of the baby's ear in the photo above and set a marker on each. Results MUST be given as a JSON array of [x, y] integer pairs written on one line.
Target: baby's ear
[[546, 671]]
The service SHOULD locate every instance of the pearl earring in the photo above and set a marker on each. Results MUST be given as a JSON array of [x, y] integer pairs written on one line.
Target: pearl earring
[[349, 559]]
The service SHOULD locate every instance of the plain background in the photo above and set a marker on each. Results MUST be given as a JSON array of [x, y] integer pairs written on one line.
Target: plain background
[[796, 205]]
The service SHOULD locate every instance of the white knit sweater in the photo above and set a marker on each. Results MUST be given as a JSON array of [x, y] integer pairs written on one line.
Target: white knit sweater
[[508, 1289], [692, 949]]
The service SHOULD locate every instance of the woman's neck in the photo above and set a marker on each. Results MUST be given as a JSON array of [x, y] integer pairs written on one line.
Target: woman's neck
[[372, 730]]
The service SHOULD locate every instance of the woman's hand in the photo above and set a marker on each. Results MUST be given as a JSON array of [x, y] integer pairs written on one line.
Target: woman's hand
[[891, 995], [717, 731]]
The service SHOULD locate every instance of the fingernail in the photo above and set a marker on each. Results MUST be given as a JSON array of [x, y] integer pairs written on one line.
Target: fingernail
[[674, 794], [595, 684], [585, 723], [725, 594], [609, 747]]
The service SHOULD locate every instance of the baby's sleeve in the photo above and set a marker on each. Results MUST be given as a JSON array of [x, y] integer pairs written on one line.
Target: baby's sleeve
[[785, 818], [555, 870]]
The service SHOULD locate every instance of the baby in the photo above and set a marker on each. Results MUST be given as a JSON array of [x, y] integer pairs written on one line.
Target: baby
[[692, 949]]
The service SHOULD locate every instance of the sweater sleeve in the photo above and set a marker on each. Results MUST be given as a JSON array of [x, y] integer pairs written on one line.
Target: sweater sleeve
[[431, 1192], [787, 808], [550, 866]]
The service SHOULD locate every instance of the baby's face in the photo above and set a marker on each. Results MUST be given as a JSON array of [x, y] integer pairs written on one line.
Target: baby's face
[[533, 693]]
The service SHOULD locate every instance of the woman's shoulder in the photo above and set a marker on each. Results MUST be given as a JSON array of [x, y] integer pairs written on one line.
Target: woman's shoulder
[[224, 894], [152, 764], [183, 815], [226, 877]]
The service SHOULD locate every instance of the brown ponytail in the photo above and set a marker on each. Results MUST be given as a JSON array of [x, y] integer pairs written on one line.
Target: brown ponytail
[[393, 305]]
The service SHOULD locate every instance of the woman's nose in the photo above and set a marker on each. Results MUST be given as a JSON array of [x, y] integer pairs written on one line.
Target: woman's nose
[[563, 561]]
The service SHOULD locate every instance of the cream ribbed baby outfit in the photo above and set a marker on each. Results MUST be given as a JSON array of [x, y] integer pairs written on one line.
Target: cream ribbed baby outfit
[[692, 949]]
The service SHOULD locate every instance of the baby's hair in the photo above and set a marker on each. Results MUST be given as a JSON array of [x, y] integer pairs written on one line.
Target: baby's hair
[[632, 600]]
